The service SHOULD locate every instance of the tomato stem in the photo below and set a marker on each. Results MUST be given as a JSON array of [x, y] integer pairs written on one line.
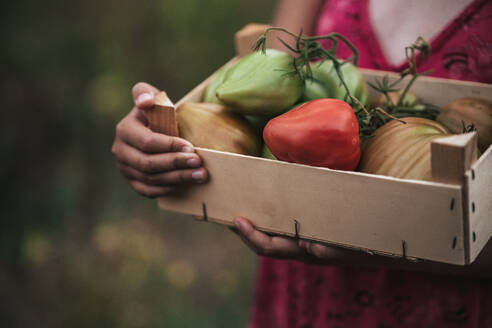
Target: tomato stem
[[309, 49]]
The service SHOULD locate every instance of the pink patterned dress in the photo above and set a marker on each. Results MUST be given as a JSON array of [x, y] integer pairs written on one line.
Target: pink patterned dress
[[293, 294]]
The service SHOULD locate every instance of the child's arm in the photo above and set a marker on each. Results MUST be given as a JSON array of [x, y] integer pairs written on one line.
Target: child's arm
[[294, 15]]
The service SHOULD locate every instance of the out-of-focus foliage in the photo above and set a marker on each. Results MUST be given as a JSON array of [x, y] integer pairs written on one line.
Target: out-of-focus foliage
[[78, 248]]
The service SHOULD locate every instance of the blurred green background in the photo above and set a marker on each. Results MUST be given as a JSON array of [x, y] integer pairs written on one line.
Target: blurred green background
[[78, 247]]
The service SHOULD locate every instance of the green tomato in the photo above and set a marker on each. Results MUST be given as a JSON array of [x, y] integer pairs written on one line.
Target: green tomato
[[266, 153], [261, 84], [217, 80], [315, 89], [257, 122], [325, 82]]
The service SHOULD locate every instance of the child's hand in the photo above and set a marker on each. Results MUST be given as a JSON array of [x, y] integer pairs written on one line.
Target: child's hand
[[153, 163], [288, 248]]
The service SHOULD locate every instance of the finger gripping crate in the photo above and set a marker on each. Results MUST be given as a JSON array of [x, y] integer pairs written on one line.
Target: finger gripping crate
[[447, 220]]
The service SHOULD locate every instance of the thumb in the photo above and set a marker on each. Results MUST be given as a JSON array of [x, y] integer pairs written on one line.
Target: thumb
[[143, 95]]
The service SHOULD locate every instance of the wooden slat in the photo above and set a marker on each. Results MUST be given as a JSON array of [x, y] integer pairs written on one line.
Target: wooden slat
[[162, 116], [347, 208], [245, 39], [452, 156], [436, 91], [479, 203]]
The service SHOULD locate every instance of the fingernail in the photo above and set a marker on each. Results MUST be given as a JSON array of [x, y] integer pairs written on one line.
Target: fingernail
[[143, 97], [187, 149], [304, 244], [193, 162], [198, 175], [237, 223]]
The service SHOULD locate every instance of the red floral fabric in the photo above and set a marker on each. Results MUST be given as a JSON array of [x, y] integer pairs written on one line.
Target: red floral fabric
[[293, 294], [462, 50]]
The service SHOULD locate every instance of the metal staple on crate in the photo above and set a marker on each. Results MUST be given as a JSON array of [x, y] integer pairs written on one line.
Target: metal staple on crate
[[296, 228], [204, 210], [404, 249]]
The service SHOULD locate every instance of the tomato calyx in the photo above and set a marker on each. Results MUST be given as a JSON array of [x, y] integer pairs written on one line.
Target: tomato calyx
[[370, 120]]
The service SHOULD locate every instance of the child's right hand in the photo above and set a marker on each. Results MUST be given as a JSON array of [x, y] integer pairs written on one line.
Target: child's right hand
[[153, 163]]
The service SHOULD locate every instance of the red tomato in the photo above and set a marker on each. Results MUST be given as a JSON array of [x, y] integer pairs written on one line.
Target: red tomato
[[322, 132]]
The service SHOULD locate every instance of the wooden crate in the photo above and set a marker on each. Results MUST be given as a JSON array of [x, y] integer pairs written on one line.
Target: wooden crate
[[447, 221]]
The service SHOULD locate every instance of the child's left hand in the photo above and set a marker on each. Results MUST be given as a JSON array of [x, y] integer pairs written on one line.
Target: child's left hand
[[287, 248]]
